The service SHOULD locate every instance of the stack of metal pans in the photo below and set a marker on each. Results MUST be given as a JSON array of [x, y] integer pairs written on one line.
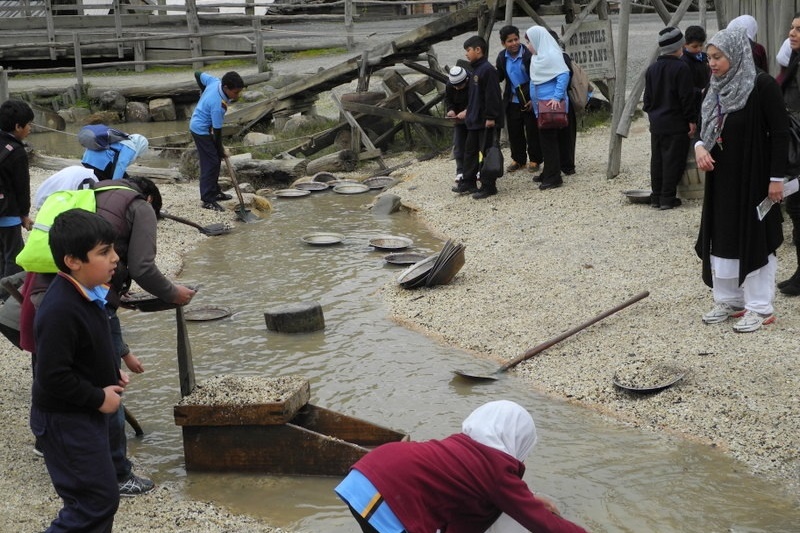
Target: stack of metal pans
[[450, 261], [437, 269]]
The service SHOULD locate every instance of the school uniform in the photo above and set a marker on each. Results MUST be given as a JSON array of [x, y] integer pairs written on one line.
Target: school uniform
[[455, 100], [15, 201], [209, 115], [75, 361], [523, 135], [484, 103]]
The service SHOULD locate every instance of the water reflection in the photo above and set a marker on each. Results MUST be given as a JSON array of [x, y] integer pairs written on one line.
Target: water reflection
[[604, 476]]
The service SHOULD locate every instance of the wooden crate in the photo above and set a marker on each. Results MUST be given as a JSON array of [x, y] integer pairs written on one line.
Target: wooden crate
[[315, 442]]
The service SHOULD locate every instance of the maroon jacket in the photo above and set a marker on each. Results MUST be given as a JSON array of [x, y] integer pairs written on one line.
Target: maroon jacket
[[457, 485]]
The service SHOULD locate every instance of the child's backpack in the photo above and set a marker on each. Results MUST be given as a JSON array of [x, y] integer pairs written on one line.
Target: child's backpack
[[36, 255], [578, 90], [99, 136]]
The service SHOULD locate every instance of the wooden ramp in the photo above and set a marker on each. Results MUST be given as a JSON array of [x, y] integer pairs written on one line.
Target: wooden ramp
[[298, 95]]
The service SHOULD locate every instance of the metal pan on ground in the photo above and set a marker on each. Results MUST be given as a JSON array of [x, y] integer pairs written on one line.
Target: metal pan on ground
[[323, 177], [404, 258], [206, 313], [350, 188], [379, 182], [313, 186], [448, 269], [641, 377], [323, 238], [638, 196], [291, 193], [390, 242], [415, 275]]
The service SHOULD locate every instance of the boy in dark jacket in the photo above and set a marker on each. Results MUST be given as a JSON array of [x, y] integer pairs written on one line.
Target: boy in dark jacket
[[77, 381], [513, 66], [455, 102], [697, 60], [484, 109], [670, 106], [16, 120]]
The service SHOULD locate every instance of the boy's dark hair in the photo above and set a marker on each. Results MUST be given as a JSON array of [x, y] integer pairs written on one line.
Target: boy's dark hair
[[14, 112], [694, 34], [75, 232], [557, 38], [148, 188], [232, 80], [506, 31], [476, 41]]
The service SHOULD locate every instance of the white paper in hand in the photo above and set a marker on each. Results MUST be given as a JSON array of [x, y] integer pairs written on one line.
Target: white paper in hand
[[789, 188]]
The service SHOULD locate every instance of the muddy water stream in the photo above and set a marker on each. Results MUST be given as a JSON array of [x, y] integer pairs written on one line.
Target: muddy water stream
[[604, 475]]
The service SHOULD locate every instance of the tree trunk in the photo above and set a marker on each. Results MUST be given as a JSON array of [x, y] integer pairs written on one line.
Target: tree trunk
[[342, 161]]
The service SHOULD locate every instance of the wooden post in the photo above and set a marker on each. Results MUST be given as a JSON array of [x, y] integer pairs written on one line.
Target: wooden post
[[363, 78], [3, 84], [185, 364], [661, 9], [79, 6], [357, 127], [258, 42], [118, 28], [162, 3], [615, 142], [249, 8], [51, 28], [193, 22], [76, 43], [509, 12], [702, 13], [139, 53], [348, 23]]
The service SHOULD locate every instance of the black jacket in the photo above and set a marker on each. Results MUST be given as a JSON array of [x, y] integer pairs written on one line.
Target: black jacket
[[502, 75], [15, 180], [485, 102], [669, 96]]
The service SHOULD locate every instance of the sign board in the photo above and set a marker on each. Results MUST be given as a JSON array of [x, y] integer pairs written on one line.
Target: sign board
[[592, 47]]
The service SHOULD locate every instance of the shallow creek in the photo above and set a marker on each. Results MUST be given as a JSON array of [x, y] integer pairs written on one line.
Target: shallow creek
[[604, 475]]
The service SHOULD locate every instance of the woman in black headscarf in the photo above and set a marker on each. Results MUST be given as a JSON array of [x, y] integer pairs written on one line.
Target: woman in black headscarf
[[743, 148]]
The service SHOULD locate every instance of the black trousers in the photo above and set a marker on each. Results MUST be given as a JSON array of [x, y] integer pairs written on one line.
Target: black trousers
[[667, 163], [566, 143], [523, 134], [477, 141], [459, 140], [552, 156], [210, 164]]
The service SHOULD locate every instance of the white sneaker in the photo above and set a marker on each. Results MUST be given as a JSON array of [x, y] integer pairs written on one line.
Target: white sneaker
[[458, 177], [721, 313], [752, 321]]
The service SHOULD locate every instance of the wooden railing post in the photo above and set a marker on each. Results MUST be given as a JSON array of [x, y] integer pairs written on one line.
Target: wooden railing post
[[118, 28], [195, 42], [139, 53], [249, 8], [258, 42], [3, 85], [51, 28], [348, 23], [76, 40]]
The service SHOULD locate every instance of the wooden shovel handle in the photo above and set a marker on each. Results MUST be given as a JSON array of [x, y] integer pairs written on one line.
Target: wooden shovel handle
[[555, 340], [235, 182]]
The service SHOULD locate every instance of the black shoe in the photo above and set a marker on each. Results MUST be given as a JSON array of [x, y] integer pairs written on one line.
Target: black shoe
[[792, 289], [214, 206], [465, 188], [670, 204], [222, 196], [569, 172], [537, 178], [793, 279], [485, 192], [550, 185]]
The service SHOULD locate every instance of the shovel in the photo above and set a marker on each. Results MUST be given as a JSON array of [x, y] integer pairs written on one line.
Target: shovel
[[244, 214], [211, 229], [545, 345]]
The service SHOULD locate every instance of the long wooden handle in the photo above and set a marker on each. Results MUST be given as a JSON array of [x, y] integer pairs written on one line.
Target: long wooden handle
[[555, 340], [235, 182], [182, 220]]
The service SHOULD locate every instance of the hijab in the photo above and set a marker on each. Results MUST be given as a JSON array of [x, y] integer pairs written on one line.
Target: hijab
[[548, 58], [729, 92], [137, 143], [747, 22], [502, 425], [784, 54]]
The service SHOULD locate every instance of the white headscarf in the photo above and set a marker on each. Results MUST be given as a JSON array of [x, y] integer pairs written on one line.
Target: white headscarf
[[137, 143], [729, 92], [747, 22], [784, 54], [548, 59], [502, 425]]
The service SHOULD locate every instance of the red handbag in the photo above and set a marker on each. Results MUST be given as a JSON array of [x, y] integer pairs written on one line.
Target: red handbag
[[552, 119]]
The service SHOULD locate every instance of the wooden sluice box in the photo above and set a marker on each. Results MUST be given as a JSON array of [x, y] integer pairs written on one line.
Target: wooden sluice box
[[283, 435]]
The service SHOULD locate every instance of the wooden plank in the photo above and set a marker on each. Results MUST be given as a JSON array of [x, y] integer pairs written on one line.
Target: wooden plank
[[357, 127], [398, 114], [344, 427], [184, 349]]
